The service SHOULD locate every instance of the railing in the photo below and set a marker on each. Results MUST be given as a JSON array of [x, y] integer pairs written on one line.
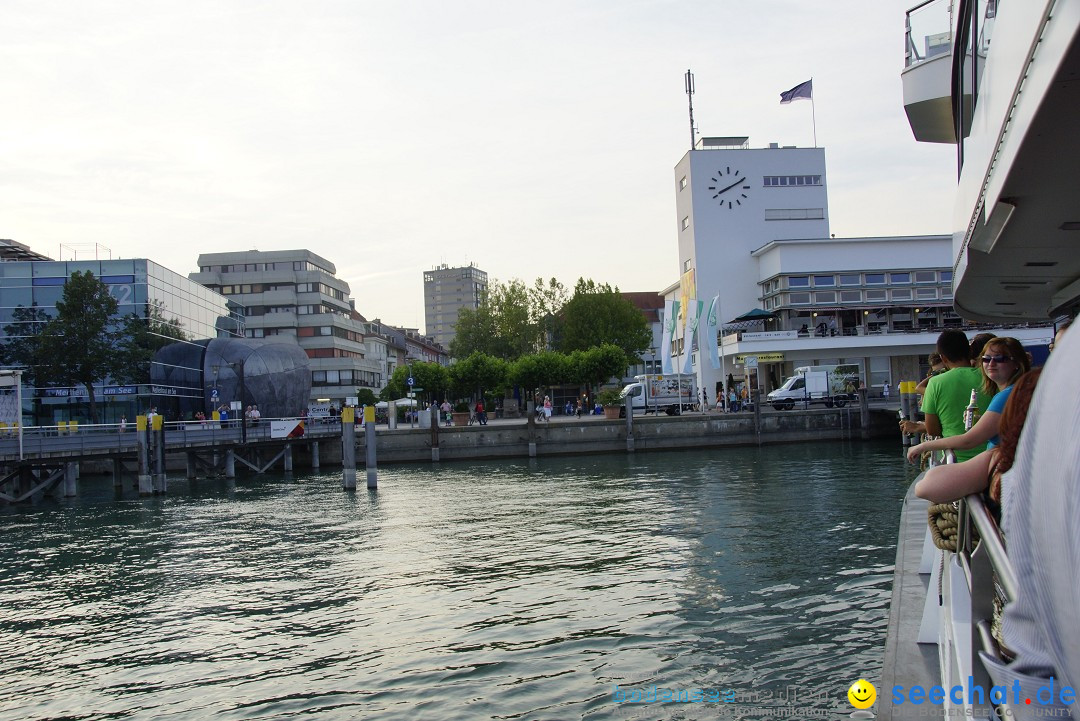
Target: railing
[[929, 25]]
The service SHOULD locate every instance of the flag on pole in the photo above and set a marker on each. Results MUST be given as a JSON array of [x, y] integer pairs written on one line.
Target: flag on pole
[[708, 334], [671, 313], [693, 316], [802, 90]]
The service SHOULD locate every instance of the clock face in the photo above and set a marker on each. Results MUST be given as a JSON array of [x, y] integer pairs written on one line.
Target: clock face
[[729, 187]]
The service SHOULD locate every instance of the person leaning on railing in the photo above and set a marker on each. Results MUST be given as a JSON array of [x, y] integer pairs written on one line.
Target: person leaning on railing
[[1002, 363], [1040, 512]]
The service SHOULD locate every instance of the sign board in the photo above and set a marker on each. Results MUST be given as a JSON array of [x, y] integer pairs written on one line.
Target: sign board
[[760, 358], [214, 396], [410, 381], [286, 429], [751, 362], [235, 405]]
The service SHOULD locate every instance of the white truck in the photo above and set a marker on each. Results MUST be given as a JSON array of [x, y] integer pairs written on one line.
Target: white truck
[[830, 385], [671, 394]]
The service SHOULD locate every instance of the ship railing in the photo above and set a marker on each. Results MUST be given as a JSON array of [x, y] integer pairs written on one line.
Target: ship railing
[[968, 583]]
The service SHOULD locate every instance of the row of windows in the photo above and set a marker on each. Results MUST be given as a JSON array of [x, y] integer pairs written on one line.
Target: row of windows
[[369, 379], [262, 267], [325, 331], [789, 180], [244, 288], [266, 332], [858, 296], [854, 279], [332, 353]]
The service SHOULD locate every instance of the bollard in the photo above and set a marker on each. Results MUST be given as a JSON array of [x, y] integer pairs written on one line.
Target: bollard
[[230, 464], [864, 414], [71, 476], [348, 449], [158, 430], [288, 458], [142, 432], [369, 432], [628, 403], [755, 397], [391, 415], [315, 455], [907, 398]]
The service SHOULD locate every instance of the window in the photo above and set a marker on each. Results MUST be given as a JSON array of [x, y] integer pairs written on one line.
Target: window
[[946, 276], [850, 279], [798, 281], [825, 296], [686, 222], [875, 295], [926, 293], [682, 182], [899, 277], [799, 298], [824, 281], [850, 296], [925, 276], [776, 181], [901, 295], [795, 214], [686, 265], [875, 278]]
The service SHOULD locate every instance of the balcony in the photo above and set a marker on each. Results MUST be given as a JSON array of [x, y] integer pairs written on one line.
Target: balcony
[[927, 74]]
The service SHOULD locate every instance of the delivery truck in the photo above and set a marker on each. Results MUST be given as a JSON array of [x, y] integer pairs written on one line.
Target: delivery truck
[[671, 394], [828, 385]]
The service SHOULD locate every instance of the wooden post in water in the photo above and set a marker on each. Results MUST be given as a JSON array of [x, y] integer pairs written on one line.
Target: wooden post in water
[[71, 476], [142, 432], [348, 449], [230, 463], [288, 457], [628, 403], [434, 435], [369, 435], [118, 473], [315, 455], [864, 413], [191, 466], [755, 397], [158, 431]]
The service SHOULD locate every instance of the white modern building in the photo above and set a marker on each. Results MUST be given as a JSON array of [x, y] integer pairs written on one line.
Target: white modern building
[[753, 227]]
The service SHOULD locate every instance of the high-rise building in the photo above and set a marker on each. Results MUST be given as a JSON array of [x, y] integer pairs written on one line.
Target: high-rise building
[[446, 291], [295, 294]]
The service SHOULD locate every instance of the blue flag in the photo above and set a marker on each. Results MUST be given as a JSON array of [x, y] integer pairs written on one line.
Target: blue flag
[[802, 90]]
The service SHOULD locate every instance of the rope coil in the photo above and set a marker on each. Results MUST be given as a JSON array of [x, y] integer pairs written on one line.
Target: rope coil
[[943, 519]]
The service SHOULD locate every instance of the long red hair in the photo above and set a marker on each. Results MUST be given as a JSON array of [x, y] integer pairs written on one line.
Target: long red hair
[[1010, 426]]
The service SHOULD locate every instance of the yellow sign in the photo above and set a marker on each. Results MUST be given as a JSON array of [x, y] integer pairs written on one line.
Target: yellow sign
[[761, 357]]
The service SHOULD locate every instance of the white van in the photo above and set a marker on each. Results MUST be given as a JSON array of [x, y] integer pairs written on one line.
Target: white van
[[829, 385]]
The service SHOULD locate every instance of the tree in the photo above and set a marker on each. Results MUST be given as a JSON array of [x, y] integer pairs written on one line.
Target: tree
[[503, 326], [596, 365], [80, 345], [365, 396], [477, 373], [539, 370], [432, 377], [545, 303], [22, 344], [599, 314]]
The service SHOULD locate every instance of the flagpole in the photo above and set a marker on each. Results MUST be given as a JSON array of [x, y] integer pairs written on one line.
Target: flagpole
[[813, 111]]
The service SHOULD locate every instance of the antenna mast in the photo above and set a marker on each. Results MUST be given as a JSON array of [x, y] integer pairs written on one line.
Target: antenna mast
[[689, 78]]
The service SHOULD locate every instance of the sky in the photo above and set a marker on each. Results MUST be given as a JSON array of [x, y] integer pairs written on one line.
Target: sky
[[532, 139]]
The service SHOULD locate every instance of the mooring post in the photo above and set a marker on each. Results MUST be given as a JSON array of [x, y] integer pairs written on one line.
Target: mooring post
[[230, 463], [628, 403], [192, 467], [142, 431], [159, 454], [288, 458], [348, 449], [864, 413], [369, 435], [71, 477], [434, 434], [118, 473], [315, 455], [908, 408]]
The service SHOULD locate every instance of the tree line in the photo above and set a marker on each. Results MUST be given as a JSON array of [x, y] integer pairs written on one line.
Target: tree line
[[86, 341]]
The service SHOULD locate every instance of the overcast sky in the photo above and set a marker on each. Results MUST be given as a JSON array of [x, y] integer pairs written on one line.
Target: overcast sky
[[532, 139]]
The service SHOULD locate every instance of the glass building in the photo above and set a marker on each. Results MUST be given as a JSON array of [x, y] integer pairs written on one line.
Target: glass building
[[139, 286]]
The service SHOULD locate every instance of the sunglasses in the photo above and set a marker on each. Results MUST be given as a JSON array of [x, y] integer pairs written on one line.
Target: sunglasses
[[996, 358]]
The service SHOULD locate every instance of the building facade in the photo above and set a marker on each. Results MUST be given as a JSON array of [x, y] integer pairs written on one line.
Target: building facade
[[295, 296], [753, 229], [141, 287], [446, 291]]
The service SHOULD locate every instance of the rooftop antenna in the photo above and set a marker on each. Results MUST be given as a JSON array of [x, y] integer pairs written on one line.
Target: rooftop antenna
[[689, 78]]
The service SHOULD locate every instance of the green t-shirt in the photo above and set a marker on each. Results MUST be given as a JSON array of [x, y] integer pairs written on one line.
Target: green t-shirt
[[947, 396]]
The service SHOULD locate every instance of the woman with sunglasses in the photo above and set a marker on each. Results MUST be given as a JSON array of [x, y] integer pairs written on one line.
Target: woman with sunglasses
[[1002, 363]]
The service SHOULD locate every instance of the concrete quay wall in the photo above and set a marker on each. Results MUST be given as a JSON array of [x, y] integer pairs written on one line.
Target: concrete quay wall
[[575, 437]]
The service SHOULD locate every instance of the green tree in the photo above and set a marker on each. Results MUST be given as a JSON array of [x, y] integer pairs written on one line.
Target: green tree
[[539, 370], [432, 377], [365, 397], [502, 326], [545, 303], [79, 345], [22, 341], [599, 314], [478, 373], [597, 365]]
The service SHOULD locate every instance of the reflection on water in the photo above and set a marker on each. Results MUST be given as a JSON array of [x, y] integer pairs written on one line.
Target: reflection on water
[[528, 590]]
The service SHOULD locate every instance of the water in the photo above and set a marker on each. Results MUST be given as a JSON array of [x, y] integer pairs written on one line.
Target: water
[[509, 590]]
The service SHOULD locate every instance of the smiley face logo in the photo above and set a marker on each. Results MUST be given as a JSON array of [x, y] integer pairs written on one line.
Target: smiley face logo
[[862, 694]]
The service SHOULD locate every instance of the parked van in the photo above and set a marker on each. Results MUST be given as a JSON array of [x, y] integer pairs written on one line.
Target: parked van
[[829, 385], [671, 394]]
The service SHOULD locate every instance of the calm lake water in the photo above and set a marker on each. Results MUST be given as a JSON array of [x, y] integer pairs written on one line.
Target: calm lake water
[[757, 578]]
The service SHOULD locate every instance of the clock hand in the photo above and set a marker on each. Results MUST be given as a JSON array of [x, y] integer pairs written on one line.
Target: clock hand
[[721, 192]]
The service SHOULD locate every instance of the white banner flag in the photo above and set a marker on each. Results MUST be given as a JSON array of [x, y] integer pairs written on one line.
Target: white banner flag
[[710, 330], [693, 315], [671, 314]]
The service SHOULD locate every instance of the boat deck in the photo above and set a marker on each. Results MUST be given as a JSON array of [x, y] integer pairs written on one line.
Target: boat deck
[[908, 663]]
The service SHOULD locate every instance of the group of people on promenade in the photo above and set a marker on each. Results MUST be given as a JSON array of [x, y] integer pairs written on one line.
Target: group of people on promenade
[[1018, 445]]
